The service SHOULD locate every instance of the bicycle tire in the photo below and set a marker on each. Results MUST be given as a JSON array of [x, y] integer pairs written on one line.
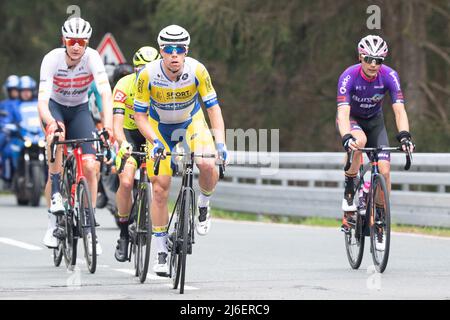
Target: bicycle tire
[[58, 253], [355, 241], [380, 257], [354, 244], [87, 225], [70, 241], [185, 238], [133, 243], [174, 262], [144, 231]]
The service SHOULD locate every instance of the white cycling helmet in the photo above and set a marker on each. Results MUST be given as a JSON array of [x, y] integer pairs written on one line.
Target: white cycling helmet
[[373, 46], [174, 35], [76, 28]]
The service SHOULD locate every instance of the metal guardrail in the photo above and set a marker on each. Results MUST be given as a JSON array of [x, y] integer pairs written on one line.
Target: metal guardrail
[[311, 184]]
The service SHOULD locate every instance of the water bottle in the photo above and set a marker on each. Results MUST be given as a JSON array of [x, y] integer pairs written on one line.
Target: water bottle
[[363, 198]]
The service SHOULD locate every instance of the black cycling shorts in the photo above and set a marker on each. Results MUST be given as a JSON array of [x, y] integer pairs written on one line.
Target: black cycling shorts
[[78, 122], [135, 138], [375, 131]]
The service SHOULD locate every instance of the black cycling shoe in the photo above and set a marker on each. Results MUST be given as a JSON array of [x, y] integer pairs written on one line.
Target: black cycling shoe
[[121, 253]]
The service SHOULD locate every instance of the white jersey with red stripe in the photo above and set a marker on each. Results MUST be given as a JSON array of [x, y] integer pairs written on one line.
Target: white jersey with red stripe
[[69, 86]]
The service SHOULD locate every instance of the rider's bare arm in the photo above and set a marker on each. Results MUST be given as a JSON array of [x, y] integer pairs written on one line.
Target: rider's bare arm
[[217, 123], [401, 118], [343, 118]]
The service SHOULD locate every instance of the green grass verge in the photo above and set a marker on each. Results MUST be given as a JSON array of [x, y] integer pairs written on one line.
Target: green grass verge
[[321, 222]]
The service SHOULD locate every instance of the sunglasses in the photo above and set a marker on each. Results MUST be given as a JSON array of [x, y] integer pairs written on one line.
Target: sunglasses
[[72, 42], [369, 60], [170, 49]]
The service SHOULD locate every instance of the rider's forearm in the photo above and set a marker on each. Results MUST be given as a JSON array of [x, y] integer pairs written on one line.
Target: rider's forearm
[[401, 118], [107, 109], [144, 127], [217, 123], [343, 118], [118, 128], [44, 112]]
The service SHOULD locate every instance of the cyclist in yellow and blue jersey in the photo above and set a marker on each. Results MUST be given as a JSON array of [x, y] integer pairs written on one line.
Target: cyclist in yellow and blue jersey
[[129, 138], [168, 110]]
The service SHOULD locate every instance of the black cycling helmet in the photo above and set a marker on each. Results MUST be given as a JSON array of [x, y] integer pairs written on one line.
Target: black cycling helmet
[[121, 71]]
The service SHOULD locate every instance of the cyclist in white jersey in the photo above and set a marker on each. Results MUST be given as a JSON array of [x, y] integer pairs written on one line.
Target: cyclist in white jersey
[[66, 75]]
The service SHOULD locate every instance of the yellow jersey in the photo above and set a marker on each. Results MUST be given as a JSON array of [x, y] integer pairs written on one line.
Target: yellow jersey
[[123, 97], [173, 102]]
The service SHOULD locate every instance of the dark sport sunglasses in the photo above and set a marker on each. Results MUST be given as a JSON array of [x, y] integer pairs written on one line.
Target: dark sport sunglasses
[[170, 49], [369, 60]]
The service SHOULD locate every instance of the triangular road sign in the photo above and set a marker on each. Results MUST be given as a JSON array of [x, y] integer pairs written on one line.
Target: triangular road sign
[[109, 50]]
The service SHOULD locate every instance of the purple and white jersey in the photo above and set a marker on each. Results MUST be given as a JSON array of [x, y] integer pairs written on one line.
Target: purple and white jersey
[[364, 95]]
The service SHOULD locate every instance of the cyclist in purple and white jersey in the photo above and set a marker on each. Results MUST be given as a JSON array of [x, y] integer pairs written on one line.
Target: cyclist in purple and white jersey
[[360, 93]]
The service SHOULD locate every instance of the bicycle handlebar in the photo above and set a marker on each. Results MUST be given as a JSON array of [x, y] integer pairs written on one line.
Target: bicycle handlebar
[[54, 143], [133, 153], [377, 150], [193, 155]]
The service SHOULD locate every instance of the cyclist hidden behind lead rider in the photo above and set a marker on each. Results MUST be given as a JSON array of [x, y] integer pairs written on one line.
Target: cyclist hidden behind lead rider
[[129, 138], [169, 90], [360, 93], [66, 74]]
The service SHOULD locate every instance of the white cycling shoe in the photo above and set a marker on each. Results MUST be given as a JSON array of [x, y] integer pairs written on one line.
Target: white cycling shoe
[[56, 204], [348, 207], [49, 240], [161, 266], [380, 245], [203, 221]]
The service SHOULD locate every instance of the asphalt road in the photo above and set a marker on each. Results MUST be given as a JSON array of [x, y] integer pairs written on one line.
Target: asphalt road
[[237, 260]]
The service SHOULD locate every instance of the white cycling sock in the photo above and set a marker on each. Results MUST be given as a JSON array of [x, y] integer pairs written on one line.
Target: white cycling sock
[[161, 243], [203, 201], [51, 221]]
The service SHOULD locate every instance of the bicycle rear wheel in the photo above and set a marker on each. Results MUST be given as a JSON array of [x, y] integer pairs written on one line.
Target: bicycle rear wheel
[[355, 237], [143, 232], [87, 224], [354, 243], [58, 252], [380, 224], [70, 241]]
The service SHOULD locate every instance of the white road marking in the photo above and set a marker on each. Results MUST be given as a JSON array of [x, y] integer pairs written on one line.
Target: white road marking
[[20, 244], [154, 277]]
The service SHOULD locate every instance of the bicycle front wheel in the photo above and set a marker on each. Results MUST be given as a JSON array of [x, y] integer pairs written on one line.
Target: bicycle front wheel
[[380, 224], [185, 237], [175, 243], [143, 232], [87, 224]]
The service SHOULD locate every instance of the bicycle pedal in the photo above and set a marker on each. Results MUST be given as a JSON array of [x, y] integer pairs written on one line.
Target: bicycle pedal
[[59, 233]]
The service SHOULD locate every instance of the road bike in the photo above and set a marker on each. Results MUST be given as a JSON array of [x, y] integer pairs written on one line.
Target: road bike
[[139, 220], [373, 215], [78, 219], [181, 224]]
